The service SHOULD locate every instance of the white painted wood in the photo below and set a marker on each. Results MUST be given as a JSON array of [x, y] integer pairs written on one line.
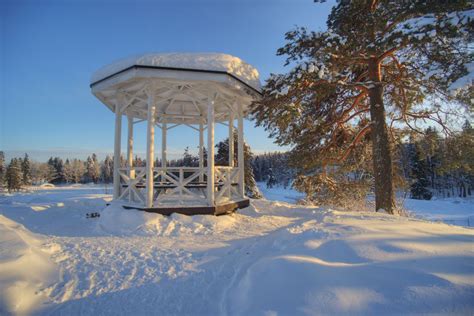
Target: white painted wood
[[164, 130], [189, 125], [210, 152], [150, 148], [118, 133], [131, 190], [178, 187], [139, 121], [231, 139], [131, 170], [240, 152], [172, 126], [130, 148], [181, 184], [201, 149], [125, 105], [167, 90], [178, 98]]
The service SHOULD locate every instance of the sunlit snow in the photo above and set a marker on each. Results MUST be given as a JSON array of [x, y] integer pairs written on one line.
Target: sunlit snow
[[273, 258]]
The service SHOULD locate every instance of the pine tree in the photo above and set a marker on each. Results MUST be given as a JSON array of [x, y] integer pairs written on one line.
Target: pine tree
[[221, 158], [189, 160], [282, 171], [370, 72], [14, 177], [51, 174], [138, 162], [79, 170], [458, 160], [429, 150], [107, 169], [96, 169], [92, 169], [59, 165], [56, 170], [419, 188], [26, 170], [271, 180], [68, 172], [256, 166], [89, 169]]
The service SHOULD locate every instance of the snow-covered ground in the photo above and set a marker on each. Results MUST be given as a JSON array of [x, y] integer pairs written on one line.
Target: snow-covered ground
[[455, 211], [273, 258], [279, 193]]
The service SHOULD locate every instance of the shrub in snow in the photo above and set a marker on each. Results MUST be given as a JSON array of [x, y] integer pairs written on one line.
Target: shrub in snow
[[335, 190]]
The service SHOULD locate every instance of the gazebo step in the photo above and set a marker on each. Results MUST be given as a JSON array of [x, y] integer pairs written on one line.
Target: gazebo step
[[222, 209]]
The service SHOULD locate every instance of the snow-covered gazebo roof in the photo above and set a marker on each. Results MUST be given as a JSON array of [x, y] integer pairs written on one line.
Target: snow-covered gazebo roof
[[183, 83]]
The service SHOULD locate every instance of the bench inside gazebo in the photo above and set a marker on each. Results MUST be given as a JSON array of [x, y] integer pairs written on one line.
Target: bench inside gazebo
[[169, 90]]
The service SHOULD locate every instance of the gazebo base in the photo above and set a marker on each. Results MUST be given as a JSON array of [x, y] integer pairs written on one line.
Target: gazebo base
[[221, 209]]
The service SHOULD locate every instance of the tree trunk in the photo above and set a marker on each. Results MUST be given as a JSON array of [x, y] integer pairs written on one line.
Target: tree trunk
[[381, 146]]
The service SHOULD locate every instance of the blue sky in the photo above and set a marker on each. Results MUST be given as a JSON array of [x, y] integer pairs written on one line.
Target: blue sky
[[49, 49]]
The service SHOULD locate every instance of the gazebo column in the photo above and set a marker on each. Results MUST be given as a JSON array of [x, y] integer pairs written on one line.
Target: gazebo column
[[150, 148], [240, 152], [231, 139], [118, 133], [201, 149], [131, 171], [164, 130], [210, 152]]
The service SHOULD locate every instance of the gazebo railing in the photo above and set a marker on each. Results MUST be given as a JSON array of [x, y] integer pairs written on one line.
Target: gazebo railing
[[178, 185], [132, 184], [226, 179]]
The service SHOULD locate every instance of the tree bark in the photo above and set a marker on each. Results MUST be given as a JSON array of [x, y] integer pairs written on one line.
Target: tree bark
[[381, 146]]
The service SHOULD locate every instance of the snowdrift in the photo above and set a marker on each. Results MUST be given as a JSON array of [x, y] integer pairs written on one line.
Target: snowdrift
[[119, 221], [25, 269]]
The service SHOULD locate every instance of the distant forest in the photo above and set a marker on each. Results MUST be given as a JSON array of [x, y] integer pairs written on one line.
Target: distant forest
[[427, 165]]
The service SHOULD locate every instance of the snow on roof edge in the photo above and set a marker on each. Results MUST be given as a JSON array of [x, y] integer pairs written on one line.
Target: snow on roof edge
[[190, 61]]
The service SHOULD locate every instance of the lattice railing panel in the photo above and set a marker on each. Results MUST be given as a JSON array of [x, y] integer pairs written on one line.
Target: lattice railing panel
[[180, 184], [226, 179], [133, 180]]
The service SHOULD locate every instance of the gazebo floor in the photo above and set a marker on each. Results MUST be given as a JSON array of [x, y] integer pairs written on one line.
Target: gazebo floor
[[221, 209]]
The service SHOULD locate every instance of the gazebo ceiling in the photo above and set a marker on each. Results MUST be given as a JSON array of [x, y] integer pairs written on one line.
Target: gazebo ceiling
[[181, 84]]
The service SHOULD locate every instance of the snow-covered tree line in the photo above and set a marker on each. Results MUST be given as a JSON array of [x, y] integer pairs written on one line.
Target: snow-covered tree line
[[439, 166], [16, 174], [58, 171], [21, 172], [273, 168], [425, 165]]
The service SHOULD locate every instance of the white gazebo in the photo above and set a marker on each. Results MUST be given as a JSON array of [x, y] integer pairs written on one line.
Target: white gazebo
[[169, 90]]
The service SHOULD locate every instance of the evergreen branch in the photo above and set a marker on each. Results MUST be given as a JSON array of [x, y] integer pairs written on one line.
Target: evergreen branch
[[356, 141], [364, 110], [389, 52], [373, 5]]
